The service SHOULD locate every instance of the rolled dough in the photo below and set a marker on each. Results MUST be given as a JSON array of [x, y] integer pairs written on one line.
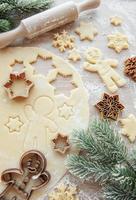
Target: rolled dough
[[33, 122]]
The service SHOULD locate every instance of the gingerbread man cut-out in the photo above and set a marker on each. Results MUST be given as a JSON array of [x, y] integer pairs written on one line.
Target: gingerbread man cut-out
[[31, 176], [37, 136], [104, 67]]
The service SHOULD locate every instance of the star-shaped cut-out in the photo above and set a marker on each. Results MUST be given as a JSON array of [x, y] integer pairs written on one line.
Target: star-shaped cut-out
[[118, 42], [74, 55], [14, 124], [110, 107], [116, 20], [86, 31], [66, 111], [18, 86], [61, 143], [63, 41], [129, 127]]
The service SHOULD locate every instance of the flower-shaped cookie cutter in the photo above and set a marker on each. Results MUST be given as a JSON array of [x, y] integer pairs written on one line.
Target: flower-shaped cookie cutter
[[16, 92]]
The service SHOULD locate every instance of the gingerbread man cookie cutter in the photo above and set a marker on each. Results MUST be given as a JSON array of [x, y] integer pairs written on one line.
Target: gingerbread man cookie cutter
[[31, 176]]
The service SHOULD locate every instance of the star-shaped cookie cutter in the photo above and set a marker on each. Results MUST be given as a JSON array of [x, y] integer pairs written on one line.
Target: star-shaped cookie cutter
[[61, 143], [9, 86]]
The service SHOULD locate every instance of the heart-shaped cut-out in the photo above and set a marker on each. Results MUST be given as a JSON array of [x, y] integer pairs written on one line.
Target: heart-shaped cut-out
[[33, 122]]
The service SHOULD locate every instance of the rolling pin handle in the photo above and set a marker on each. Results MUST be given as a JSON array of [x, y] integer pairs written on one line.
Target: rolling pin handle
[[88, 4]]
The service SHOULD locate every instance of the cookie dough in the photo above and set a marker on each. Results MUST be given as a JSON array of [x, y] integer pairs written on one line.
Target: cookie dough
[[118, 42], [86, 31], [104, 67], [64, 192], [74, 55], [63, 41], [129, 127], [32, 123], [93, 54], [116, 20]]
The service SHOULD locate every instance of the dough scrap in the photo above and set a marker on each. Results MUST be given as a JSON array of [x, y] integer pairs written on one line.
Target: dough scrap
[[86, 31], [116, 20], [129, 127], [63, 41], [40, 114], [104, 67], [118, 42], [64, 192], [74, 55]]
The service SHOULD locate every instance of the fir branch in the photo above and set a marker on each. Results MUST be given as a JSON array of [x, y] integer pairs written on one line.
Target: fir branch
[[105, 159], [101, 142], [33, 5], [16, 10], [5, 25], [5, 8], [87, 170], [116, 192], [125, 176]]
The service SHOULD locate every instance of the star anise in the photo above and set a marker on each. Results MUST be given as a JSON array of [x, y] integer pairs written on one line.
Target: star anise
[[130, 68], [110, 107]]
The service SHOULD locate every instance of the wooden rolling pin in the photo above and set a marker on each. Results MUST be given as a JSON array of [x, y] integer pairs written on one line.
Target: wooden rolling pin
[[46, 21]]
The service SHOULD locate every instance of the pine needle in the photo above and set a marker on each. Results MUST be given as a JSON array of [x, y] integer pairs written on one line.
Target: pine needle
[[5, 25]]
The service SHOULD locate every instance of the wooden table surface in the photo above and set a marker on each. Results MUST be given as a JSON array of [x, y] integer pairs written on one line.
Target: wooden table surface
[[100, 17]]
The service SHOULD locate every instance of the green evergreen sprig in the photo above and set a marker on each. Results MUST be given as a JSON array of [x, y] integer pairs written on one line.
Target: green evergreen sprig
[[12, 11], [104, 158]]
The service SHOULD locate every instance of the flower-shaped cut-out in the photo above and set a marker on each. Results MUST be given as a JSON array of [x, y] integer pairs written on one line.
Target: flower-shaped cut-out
[[110, 107], [18, 86], [118, 42], [86, 31], [61, 143]]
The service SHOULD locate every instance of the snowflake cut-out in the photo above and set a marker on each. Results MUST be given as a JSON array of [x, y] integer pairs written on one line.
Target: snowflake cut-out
[[64, 192], [63, 41]]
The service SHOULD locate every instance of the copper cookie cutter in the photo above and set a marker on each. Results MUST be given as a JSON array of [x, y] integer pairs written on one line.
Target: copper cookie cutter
[[13, 78], [31, 176]]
